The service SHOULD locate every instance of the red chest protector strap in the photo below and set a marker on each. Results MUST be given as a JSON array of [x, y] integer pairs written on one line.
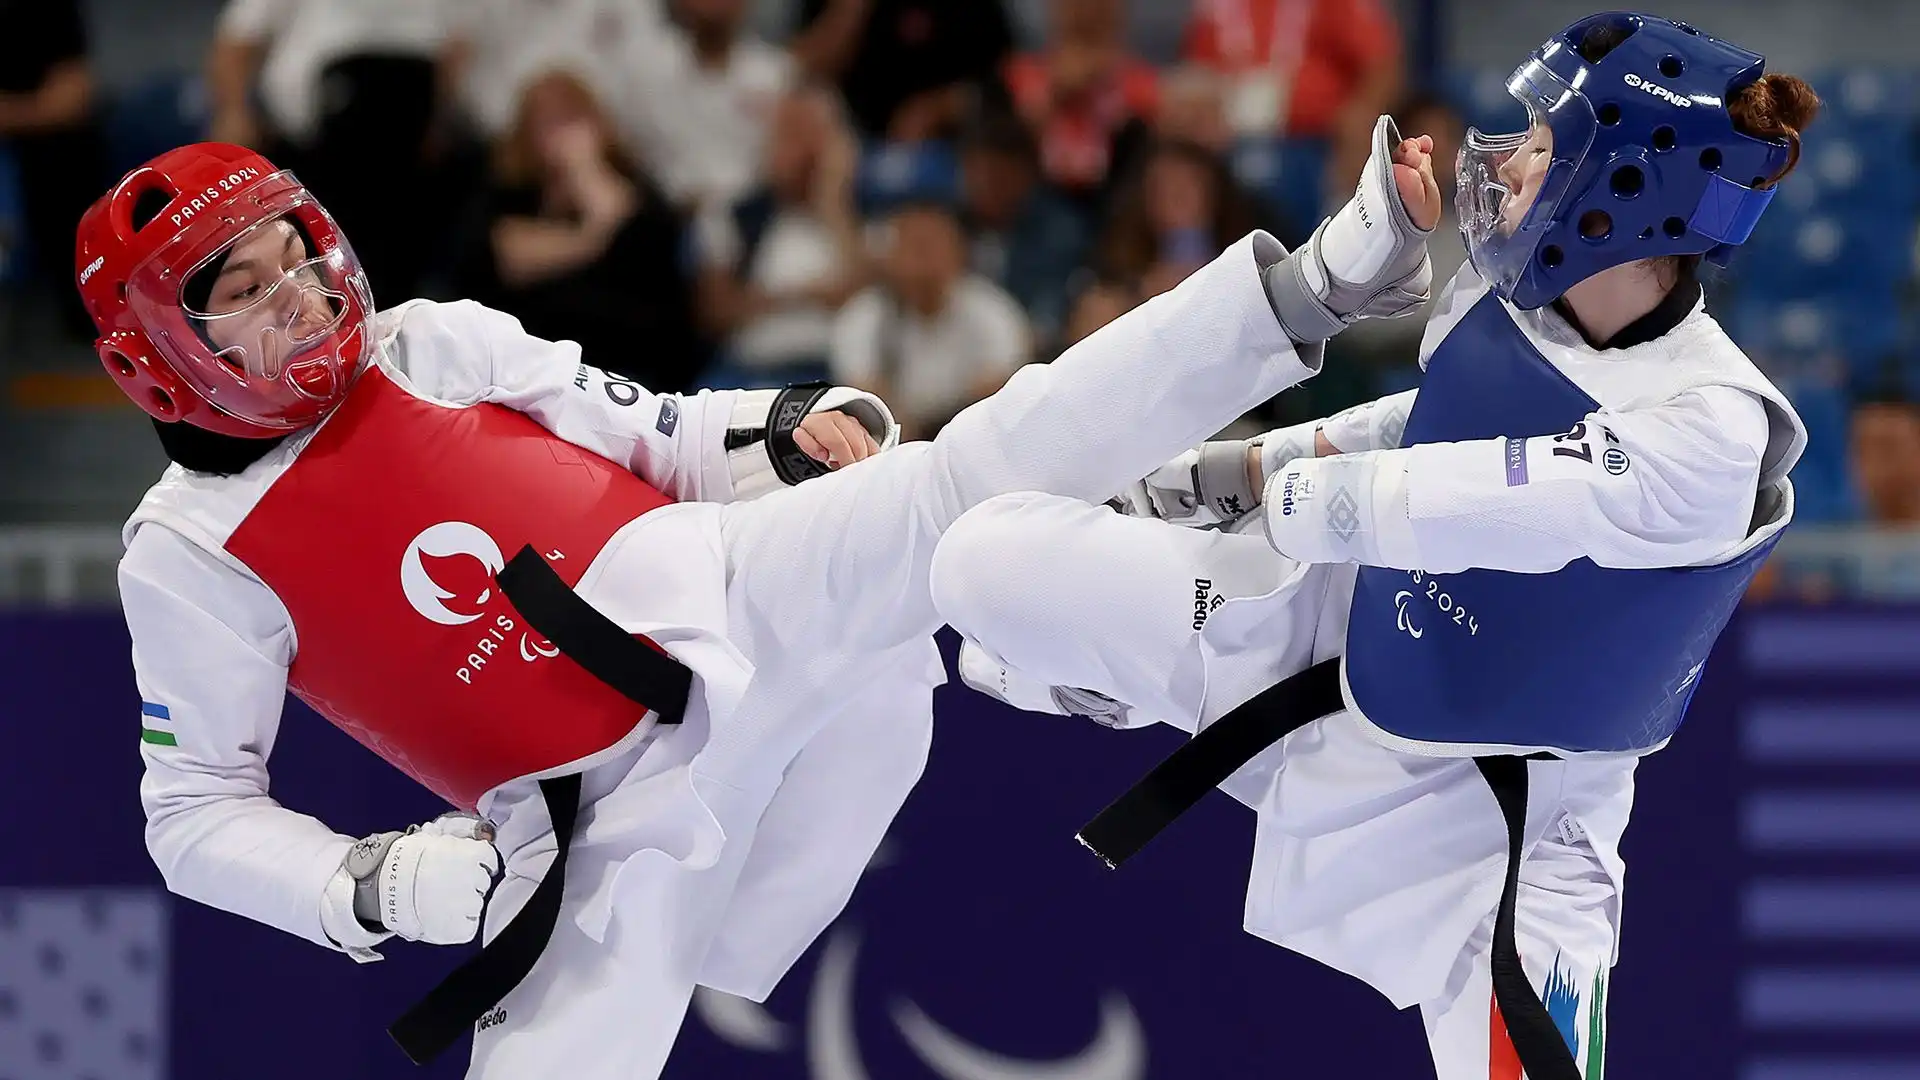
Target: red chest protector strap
[[635, 667]]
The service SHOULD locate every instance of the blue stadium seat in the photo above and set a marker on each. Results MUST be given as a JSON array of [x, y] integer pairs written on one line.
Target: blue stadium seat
[[154, 116], [1874, 94], [1843, 336], [1289, 173], [13, 253], [1855, 252], [1481, 96], [891, 173], [1861, 168], [1822, 481]]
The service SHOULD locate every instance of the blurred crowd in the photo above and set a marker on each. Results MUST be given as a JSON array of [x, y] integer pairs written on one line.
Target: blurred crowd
[[905, 195]]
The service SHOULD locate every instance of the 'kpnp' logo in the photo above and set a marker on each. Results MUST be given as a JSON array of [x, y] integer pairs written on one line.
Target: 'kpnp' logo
[[451, 561], [1650, 87]]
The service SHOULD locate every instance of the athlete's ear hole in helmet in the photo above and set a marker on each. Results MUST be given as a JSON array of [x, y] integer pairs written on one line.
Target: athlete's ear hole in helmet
[[163, 401], [1672, 66], [1710, 159], [1596, 225], [122, 366], [1608, 115], [1627, 182], [1551, 256], [1602, 38], [1664, 139], [1674, 227], [148, 205]]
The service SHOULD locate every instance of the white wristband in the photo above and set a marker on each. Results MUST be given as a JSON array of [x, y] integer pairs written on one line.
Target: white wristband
[[1350, 508], [341, 926], [759, 416]]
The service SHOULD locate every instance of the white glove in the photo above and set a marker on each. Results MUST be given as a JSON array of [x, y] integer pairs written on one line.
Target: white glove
[[761, 455], [1368, 261], [429, 883], [980, 670], [1199, 489]]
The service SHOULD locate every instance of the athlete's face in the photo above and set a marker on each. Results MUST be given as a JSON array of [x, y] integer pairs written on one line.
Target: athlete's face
[[267, 298], [1522, 173]]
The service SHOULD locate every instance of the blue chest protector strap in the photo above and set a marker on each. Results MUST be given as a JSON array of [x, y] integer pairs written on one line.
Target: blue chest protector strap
[[1184, 778]]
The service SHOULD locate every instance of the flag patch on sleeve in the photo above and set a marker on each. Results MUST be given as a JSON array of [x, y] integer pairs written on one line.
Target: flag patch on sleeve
[[156, 725]]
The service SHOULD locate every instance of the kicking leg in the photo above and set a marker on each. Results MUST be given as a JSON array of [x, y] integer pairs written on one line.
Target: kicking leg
[[1074, 595], [841, 561], [1566, 925]]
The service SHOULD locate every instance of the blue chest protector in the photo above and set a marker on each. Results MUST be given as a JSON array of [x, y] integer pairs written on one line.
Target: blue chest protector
[[1584, 659]]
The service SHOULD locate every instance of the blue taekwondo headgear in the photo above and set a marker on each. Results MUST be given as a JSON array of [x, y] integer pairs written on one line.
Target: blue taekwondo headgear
[[1634, 156]]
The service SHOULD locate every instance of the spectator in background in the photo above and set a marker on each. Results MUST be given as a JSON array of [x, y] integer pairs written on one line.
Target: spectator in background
[[1180, 210], [348, 93], [496, 47], [1024, 236], [47, 120], [703, 92], [283, 48], [1086, 95], [776, 265], [910, 69], [579, 244], [930, 338], [1193, 109], [1321, 69], [1885, 445]]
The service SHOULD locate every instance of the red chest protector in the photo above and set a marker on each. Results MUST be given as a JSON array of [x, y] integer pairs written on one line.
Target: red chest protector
[[383, 539]]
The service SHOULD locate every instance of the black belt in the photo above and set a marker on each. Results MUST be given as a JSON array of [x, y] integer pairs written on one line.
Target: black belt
[[651, 679], [1204, 763], [1223, 747]]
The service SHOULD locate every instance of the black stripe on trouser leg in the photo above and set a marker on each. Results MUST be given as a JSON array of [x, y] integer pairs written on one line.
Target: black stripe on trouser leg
[[452, 1008], [1543, 1052]]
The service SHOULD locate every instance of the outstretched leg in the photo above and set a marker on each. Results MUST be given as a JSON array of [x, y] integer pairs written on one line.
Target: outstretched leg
[[840, 563], [1178, 624]]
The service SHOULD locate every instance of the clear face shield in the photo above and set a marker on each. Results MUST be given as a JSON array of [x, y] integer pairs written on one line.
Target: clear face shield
[[1511, 185], [269, 327], [270, 303]]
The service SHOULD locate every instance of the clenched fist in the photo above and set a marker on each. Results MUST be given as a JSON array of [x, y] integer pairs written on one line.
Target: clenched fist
[[428, 884], [834, 439]]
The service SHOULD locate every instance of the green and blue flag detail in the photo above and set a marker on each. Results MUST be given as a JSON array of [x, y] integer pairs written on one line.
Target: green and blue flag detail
[[1562, 999], [156, 725]]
